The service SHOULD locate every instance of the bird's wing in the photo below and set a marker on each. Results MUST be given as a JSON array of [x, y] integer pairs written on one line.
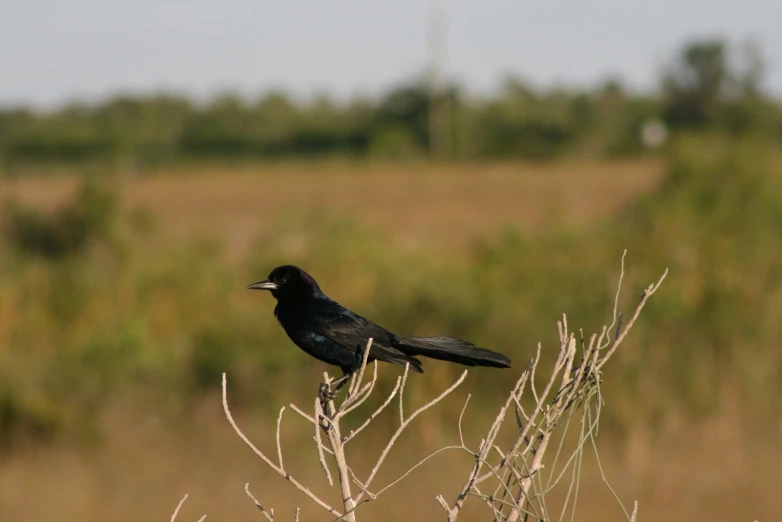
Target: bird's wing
[[353, 331]]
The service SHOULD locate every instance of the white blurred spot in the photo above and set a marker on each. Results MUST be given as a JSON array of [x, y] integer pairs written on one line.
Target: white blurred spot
[[654, 134]]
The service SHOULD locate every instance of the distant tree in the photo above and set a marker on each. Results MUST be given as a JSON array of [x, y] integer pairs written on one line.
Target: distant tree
[[750, 67], [529, 124], [405, 109], [747, 107], [694, 83], [708, 85], [711, 84], [611, 94]]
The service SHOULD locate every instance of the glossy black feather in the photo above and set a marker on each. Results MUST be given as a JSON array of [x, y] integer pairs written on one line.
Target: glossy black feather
[[333, 334]]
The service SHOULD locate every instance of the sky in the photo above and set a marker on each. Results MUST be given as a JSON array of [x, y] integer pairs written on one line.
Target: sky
[[56, 51]]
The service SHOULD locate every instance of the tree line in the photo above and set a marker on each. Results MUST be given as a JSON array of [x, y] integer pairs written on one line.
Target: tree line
[[708, 85]]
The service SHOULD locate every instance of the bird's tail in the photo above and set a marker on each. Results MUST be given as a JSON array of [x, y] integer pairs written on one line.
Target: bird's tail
[[414, 363], [453, 350]]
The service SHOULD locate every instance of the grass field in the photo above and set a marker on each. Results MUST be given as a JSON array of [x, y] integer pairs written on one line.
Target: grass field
[[414, 204], [143, 467], [699, 360]]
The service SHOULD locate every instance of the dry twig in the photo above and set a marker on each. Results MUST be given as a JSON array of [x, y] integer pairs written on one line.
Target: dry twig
[[327, 417], [179, 506]]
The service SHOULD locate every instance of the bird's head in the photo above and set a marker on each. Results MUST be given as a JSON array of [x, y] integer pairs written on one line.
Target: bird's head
[[288, 283]]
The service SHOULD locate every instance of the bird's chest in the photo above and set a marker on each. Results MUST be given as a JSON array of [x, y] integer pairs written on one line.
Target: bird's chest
[[295, 320], [302, 331]]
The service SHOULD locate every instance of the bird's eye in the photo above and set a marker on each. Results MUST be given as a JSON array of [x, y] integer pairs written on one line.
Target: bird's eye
[[284, 280]]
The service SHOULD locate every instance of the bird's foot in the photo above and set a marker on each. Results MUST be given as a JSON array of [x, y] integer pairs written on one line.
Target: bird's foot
[[326, 394]]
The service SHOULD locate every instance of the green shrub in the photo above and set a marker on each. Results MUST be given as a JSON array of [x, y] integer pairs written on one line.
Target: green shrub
[[69, 231]]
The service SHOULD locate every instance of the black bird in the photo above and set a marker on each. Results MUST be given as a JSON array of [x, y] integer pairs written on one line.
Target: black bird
[[333, 334]]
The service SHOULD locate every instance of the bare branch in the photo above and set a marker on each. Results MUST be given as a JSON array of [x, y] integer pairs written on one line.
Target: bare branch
[[406, 422], [178, 507], [489, 501], [461, 436], [486, 446], [650, 290], [335, 441], [279, 444], [578, 384], [402, 394], [321, 457], [418, 465], [304, 415], [534, 368], [363, 394], [266, 459], [355, 385], [268, 514], [618, 290], [376, 413], [362, 487]]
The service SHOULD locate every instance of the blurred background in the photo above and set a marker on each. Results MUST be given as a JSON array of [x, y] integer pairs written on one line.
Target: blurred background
[[465, 168]]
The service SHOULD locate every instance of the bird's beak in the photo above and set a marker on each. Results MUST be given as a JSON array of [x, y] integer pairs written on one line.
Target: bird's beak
[[263, 285]]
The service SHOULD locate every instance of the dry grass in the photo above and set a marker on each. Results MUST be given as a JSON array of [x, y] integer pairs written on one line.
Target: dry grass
[[414, 204], [143, 469]]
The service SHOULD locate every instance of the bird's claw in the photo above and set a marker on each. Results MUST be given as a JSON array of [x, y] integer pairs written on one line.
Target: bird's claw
[[326, 394]]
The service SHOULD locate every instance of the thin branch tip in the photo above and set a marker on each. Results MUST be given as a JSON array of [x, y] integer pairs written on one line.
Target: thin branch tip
[[178, 507]]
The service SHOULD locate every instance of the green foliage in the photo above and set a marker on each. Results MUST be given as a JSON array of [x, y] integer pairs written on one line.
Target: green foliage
[[716, 221], [394, 142], [21, 419], [708, 86], [89, 332], [528, 124], [695, 84], [69, 231], [711, 85]]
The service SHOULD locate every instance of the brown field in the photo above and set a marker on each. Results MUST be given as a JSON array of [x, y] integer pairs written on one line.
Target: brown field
[[143, 468], [415, 204]]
